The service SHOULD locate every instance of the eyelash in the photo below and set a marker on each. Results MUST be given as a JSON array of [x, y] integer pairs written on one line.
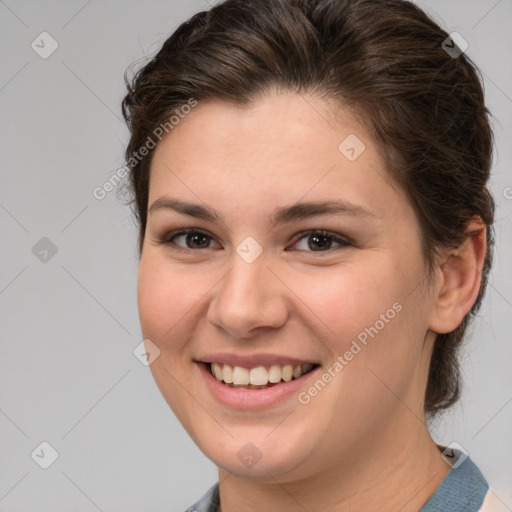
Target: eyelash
[[167, 239]]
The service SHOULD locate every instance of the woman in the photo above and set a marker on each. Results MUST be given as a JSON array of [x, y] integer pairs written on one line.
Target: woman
[[310, 181]]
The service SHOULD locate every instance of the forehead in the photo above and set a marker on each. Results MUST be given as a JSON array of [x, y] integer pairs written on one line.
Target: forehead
[[280, 149]]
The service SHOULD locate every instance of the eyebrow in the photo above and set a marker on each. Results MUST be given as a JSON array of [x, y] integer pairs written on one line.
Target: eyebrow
[[281, 215]]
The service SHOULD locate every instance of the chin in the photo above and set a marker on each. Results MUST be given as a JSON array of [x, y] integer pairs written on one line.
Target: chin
[[258, 452]]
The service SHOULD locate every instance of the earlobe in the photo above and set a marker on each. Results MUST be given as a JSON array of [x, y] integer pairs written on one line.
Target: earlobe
[[460, 274]]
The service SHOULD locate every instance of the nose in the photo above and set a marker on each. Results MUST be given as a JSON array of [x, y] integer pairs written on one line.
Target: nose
[[249, 300]]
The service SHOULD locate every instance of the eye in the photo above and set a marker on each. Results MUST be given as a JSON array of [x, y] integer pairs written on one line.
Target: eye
[[317, 240], [193, 239], [321, 241]]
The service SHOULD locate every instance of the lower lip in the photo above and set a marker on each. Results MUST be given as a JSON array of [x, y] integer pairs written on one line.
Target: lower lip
[[252, 398]]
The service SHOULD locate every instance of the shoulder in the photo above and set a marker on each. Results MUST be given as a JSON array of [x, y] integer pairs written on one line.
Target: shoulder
[[463, 489]]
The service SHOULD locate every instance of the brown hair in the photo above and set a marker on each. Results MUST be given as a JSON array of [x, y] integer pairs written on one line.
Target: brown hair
[[382, 59]]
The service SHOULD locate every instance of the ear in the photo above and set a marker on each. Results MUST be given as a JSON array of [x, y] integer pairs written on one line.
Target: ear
[[460, 274]]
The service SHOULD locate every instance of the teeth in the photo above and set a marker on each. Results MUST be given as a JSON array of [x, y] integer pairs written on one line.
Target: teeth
[[287, 372], [306, 367], [274, 374], [217, 371], [240, 376], [258, 376], [226, 373]]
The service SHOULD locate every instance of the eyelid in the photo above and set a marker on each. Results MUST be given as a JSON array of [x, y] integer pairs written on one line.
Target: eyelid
[[342, 241], [166, 238]]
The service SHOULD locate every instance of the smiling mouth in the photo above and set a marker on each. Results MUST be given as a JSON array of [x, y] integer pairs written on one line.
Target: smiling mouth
[[259, 377]]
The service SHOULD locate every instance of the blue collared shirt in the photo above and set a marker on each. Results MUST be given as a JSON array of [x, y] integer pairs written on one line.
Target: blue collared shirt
[[462, 490]]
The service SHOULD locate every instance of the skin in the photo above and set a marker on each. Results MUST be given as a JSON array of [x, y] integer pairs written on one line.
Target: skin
[[362, 442]]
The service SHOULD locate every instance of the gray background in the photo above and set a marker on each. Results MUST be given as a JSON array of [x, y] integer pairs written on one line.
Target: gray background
[[69, 325]]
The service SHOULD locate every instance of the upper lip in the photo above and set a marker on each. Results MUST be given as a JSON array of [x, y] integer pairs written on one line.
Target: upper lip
[[252, 361]]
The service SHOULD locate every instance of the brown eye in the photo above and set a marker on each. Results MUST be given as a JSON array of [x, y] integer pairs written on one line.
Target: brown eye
[[321, 241], [193, 239], [200, 239]]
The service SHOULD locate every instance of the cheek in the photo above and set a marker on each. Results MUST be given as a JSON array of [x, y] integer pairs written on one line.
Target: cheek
[[377, 314], [166, 296], [371, 319], [350, 299], [165, 299]]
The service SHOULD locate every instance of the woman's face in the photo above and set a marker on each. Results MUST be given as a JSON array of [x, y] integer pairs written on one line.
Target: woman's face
[[256, 285]]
